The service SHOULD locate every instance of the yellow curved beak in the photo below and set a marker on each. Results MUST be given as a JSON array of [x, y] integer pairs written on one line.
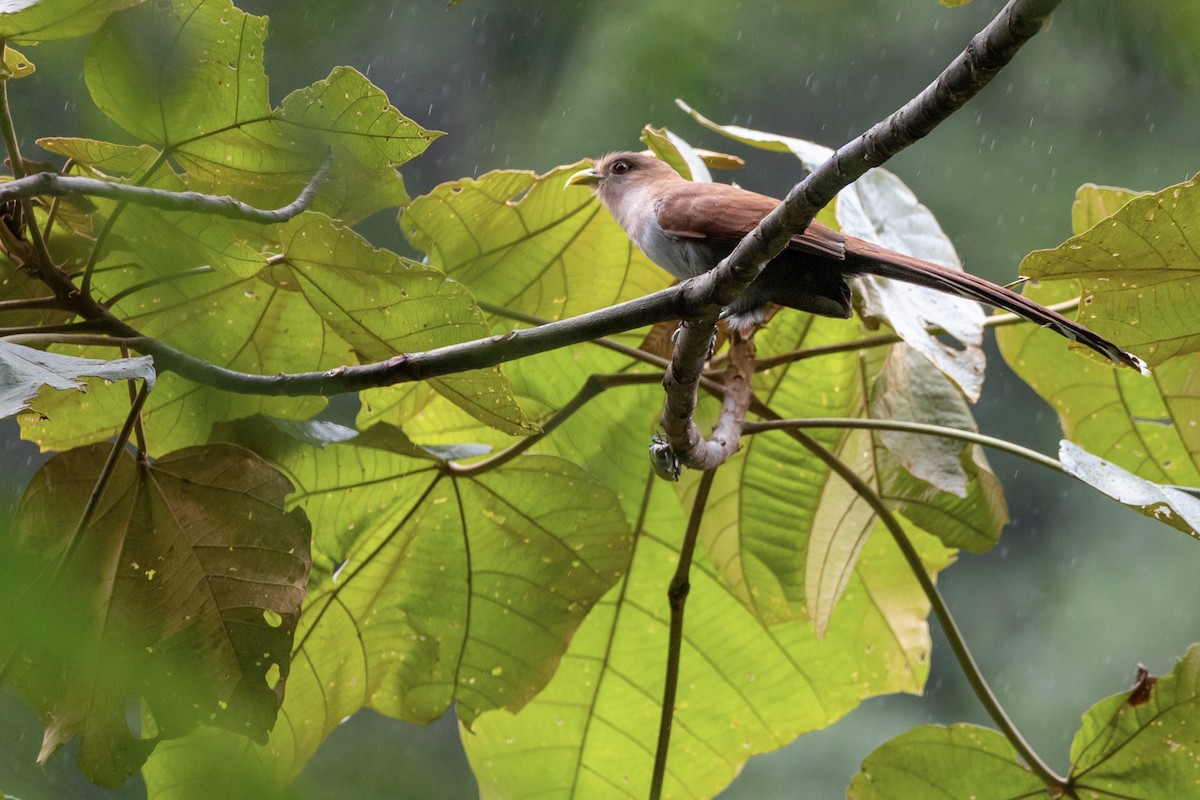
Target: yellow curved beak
[[585, 177]]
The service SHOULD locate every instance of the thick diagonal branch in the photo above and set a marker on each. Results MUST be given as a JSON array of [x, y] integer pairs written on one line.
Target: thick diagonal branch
[[988, 52]]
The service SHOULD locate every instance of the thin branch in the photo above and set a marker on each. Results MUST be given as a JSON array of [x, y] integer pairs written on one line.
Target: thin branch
[[30, 303], [988, 52], [66, 327], [592, 388], [9, 134], [954, 636], [907, 427], [603, 341], [110, 222], [54, 185], [677, 593], [477, 354], [81, 339]]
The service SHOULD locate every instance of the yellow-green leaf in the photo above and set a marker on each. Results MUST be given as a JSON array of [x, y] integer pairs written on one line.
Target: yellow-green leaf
[[1138, 269], [530, 243], [33, 21]]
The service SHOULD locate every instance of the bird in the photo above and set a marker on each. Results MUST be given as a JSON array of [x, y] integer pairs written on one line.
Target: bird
[[687, 228]]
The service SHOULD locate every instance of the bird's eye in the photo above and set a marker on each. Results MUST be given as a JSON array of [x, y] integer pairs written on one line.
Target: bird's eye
[[620, 167]]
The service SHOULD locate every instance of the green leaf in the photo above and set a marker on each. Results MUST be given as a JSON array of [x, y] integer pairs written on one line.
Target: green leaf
[[1168, 504], [682, 157], [319, 282], [451, 588], [936, 761], [24, 370], [209, 108], [1138, 271], [530, 243], [878, 207], [1144, 742], [1093, 204], [174, 72], [102, 157], [183, 593], [790, 530], [1145, 426], [743, 688], [33, 21], [385, 305], [17, 65]]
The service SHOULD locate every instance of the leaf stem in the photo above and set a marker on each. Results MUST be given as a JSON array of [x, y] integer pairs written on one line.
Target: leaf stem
[[907, 427], [677, 593], [594, 386]]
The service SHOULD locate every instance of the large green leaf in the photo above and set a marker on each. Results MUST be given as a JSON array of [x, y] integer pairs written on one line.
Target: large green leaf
[[33, 21], [1138, 271], [187, 76], [385, 305], [955, 761], [530, 243], [322, 282], [1147, 426], [789, 529], [1144, 742], [450, 589], [183, 592], [743, 688]]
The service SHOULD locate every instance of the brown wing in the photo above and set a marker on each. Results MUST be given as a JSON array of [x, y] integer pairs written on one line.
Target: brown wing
[[723, 215]]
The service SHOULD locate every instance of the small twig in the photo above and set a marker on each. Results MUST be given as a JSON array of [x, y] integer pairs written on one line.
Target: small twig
[[54, 185], [52, 214], [677, 593], [89, 269], [9, 134], [81, 339], [592, 388], [139, 429], [66, 327], [30, 303]]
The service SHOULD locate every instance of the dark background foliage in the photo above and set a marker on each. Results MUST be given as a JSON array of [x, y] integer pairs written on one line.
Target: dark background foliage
[[1080, 590]]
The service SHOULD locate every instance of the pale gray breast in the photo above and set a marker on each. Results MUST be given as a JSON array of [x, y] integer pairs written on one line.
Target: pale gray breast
[[682, 257]]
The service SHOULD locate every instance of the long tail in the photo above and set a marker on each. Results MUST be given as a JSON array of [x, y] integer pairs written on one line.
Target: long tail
[[866, 258]]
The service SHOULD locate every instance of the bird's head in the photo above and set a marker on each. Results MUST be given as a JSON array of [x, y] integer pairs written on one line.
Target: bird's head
[[617, 173]]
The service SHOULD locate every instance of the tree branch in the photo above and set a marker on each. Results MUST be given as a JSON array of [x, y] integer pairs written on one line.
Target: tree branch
[[54, 185], [987, 53]]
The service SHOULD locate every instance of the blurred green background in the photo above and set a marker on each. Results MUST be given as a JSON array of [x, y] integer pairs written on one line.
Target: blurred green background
[[1080, 590]]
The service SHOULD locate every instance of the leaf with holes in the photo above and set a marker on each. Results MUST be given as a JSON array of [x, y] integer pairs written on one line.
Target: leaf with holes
[[181, 596]]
